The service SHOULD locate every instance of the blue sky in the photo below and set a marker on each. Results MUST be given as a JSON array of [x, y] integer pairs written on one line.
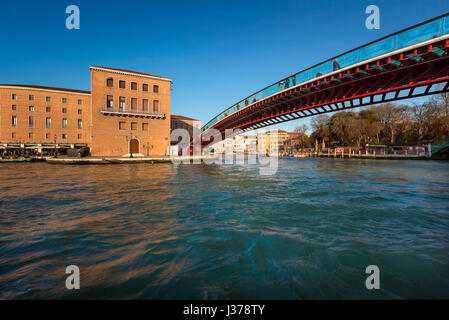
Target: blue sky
[[216, 52]]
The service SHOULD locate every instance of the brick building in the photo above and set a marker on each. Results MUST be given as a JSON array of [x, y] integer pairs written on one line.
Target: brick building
[[126, 112], [192, 126]]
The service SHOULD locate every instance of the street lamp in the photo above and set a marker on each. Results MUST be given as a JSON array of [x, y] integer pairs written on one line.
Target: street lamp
[[147, 148], [54, 155], [129, 145]]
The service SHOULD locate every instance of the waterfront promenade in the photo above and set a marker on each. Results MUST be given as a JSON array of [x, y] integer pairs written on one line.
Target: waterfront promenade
[[118, 160]]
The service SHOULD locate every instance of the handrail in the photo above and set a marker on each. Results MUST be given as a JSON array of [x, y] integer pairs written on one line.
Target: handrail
[[441, 145], [132, 111], [413, 35]]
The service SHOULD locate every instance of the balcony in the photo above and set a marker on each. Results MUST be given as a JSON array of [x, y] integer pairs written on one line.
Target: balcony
[[132, 113]]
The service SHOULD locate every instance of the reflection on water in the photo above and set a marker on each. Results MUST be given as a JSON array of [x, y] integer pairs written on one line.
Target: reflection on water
[[166, 231]]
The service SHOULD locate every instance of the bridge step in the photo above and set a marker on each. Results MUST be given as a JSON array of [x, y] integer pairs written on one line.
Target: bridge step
[[377, 67], [438, 51], [413, 57], [396, 62]]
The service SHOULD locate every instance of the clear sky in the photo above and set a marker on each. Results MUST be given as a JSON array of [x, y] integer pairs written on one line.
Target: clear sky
[[216, 52]]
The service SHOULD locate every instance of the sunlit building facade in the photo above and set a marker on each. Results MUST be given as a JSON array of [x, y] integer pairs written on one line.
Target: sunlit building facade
[[271, 141], [126, 112]]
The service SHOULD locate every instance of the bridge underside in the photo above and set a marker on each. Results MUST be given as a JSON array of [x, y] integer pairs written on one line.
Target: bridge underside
[[415, 73]]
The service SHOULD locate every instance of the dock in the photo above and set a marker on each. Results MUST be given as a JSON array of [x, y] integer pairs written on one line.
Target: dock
[[117, 160]]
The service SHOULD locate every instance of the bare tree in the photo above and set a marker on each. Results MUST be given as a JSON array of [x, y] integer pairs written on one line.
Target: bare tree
[[390, 116], [302, 129], [320, 126]]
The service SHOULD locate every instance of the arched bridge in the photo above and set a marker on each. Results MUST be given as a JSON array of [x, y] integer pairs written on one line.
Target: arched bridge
[[407, 64]]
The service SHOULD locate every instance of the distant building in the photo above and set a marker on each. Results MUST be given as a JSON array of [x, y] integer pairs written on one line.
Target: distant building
[[271, 141], [192, 126], [237, 144], [295, 140], [245, 144]]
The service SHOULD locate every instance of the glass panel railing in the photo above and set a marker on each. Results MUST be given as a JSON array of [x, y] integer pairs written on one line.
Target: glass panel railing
[[301, 77], [377, 49], [419, 34], [446, 25], [346, 60], [407, 38]]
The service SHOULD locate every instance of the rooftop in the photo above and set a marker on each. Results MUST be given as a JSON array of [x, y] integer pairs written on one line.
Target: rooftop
[[174, 116], [26, 86], [130, 71]]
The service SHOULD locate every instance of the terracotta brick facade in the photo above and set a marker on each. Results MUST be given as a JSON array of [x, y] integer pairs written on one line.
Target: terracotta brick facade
[[193, 126], [39, 115], [125, 112]]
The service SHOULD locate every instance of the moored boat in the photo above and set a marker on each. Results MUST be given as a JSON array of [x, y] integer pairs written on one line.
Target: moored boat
[[20, 159]]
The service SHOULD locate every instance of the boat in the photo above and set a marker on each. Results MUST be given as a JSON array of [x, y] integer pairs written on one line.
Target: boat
[[20, 159]]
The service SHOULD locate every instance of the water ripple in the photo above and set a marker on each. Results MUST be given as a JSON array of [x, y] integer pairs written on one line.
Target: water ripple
[[168, 231]]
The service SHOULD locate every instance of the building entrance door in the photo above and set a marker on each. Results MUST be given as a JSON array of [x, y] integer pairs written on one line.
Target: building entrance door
[[134, 146]]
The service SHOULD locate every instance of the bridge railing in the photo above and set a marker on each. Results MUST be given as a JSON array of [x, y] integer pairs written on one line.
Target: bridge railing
[[425, 31], [439, 146]]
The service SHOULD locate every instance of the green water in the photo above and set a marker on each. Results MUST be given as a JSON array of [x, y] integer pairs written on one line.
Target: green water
[[164, 231]]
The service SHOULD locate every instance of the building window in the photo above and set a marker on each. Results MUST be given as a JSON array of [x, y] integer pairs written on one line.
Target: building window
[[30, 135], [156, 106], [121, 103], [30, 122], [133, 126], [155, 88], [80, 136], [48, 123], [13, 135], [64, 110], [64, 123], [122, 84], [133, 85], [80, 102], [109, 101], [64, 100], [14, 121], [80, 111], [14, 96], [80, 123], [64, 136], [48, 99], [109, 82], [144, 126], [145, 105], [122, 125], [133, 104], [31, 108], [47, 109], [145, 87], [14, 107], [31, 97], [47, 136]]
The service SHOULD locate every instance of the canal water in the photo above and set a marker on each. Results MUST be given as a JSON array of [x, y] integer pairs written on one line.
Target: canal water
[[165, 231]]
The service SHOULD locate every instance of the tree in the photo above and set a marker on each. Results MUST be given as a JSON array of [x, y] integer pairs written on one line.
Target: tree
[[424, 115], [390, 116], [372, 125], [341, 124], [320, 126], [442, 99], [302, 129]]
